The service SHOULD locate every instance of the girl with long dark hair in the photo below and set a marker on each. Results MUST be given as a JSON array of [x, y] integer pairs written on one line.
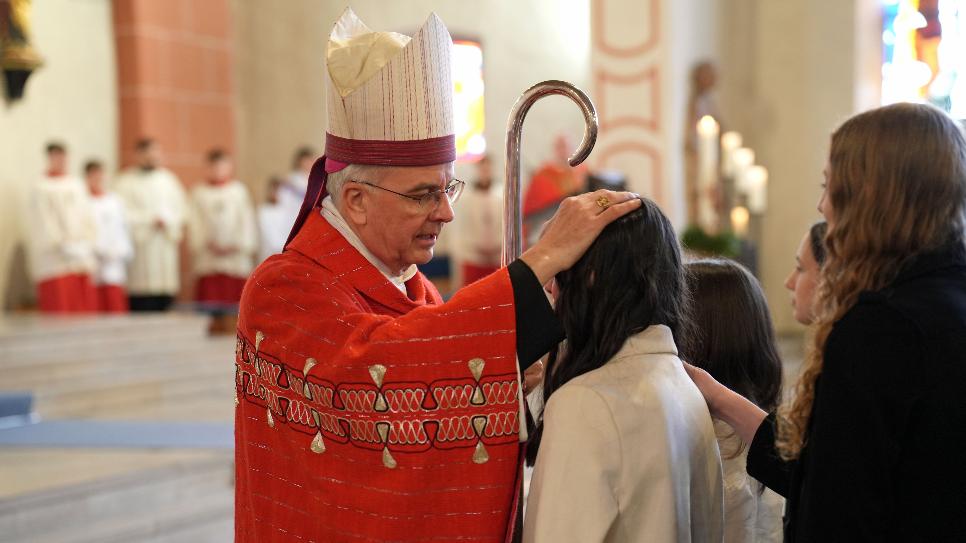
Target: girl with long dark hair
[[733, 339], [870, 448], [624, 448]]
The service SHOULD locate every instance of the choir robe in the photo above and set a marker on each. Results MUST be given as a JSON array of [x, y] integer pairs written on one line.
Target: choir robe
[[61, 245], [221, 214], [480, 233], [114, 251], [291, 193], [150, 196], [274, 224], [367, 415]]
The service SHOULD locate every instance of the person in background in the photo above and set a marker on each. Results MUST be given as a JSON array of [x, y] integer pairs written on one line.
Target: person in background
[[555, 180], [61, 236], [223, 239], [481, 231], [625, 448], [803, 281], [274, 223], [113, 247], [292, 191], [154, 203], [869, 449], [732, 338]]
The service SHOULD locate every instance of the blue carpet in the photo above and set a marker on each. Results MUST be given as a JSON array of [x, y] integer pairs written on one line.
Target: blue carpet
[[15, 404], [120, 434]]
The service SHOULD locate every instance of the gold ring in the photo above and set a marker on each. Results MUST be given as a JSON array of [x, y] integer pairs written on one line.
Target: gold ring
[[603, 202]]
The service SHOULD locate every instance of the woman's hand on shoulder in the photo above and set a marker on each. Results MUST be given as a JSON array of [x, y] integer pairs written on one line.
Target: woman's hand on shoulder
[[710, 388], [725, 404]]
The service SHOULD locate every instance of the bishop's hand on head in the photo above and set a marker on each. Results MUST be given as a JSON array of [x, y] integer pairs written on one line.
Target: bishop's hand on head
[[574, 227]]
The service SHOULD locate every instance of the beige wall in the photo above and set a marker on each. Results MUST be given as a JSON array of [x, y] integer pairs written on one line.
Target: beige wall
[[281, 57], [792, 72], [693, 37], [72, 98]]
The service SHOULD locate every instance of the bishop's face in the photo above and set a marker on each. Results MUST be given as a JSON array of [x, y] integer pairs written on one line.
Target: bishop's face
[[399, 230]]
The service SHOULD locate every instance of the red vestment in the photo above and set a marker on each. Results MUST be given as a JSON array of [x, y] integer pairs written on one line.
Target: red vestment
[[219, 288], [364, 415], [474, 272], [112, 299], [70, 293]]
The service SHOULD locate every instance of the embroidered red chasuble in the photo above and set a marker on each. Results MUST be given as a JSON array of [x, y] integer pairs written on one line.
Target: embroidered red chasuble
[[364, 415]]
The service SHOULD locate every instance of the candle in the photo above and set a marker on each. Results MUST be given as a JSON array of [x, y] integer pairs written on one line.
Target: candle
[[739, 221], [743, 158], [756, 178], [730, 142], [708, 144]]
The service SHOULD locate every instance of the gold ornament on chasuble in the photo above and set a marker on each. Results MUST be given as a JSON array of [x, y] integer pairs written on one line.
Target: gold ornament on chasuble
[[411, 408]]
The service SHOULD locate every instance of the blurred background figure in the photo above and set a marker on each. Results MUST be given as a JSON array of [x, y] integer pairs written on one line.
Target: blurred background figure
[[701, 101], [274, 222], [481, 224], [61, 244], [292, 191], [222, 236], [154, 203], [552, 182], [113, 247]]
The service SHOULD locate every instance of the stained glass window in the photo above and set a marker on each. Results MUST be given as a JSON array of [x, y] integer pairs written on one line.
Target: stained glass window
[[468, 99], [924, 53]]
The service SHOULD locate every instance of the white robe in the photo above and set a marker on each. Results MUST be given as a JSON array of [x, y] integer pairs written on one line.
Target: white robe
[[150, 196], [479, 221], [628, 454], [291, 194], [274, 224], [222, 215], [750, 516], [61, 229], [113, 247]]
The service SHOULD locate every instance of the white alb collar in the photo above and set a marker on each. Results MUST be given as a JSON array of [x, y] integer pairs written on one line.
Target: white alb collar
[[331, 214]]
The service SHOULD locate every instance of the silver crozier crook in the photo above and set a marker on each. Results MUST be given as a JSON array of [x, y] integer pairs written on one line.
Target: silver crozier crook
[[512, 201]]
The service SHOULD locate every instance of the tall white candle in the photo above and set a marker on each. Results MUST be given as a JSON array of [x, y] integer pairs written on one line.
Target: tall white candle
[[739, 221], [730, 142], [708, 144], [743, 158], [756, 178]]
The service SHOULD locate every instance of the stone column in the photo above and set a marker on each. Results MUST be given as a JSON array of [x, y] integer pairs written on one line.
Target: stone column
[[175, 62]]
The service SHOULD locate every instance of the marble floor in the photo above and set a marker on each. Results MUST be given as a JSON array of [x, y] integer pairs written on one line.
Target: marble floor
[[132, 368]]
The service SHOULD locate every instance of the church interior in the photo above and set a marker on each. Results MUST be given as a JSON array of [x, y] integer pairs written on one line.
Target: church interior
[[119, 427]]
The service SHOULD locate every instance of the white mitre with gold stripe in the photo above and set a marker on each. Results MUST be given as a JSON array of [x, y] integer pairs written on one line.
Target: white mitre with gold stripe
[[389, 99], [384, 86]]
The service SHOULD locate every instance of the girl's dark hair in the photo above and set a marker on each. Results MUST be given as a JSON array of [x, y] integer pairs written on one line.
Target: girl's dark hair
[[732, 335], [816, 237], [630, 278]]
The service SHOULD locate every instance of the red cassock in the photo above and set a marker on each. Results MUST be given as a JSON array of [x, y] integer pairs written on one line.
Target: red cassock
[[364, 415], [112, 299], [70, 293]]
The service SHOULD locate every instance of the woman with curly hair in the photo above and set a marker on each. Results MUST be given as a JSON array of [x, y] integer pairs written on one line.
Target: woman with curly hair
[[871, 447]]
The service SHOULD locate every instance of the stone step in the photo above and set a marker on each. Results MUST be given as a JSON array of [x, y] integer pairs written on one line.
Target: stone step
[[195, 356], [115, 395], [146, 504], [14, 328], [29, 349]]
